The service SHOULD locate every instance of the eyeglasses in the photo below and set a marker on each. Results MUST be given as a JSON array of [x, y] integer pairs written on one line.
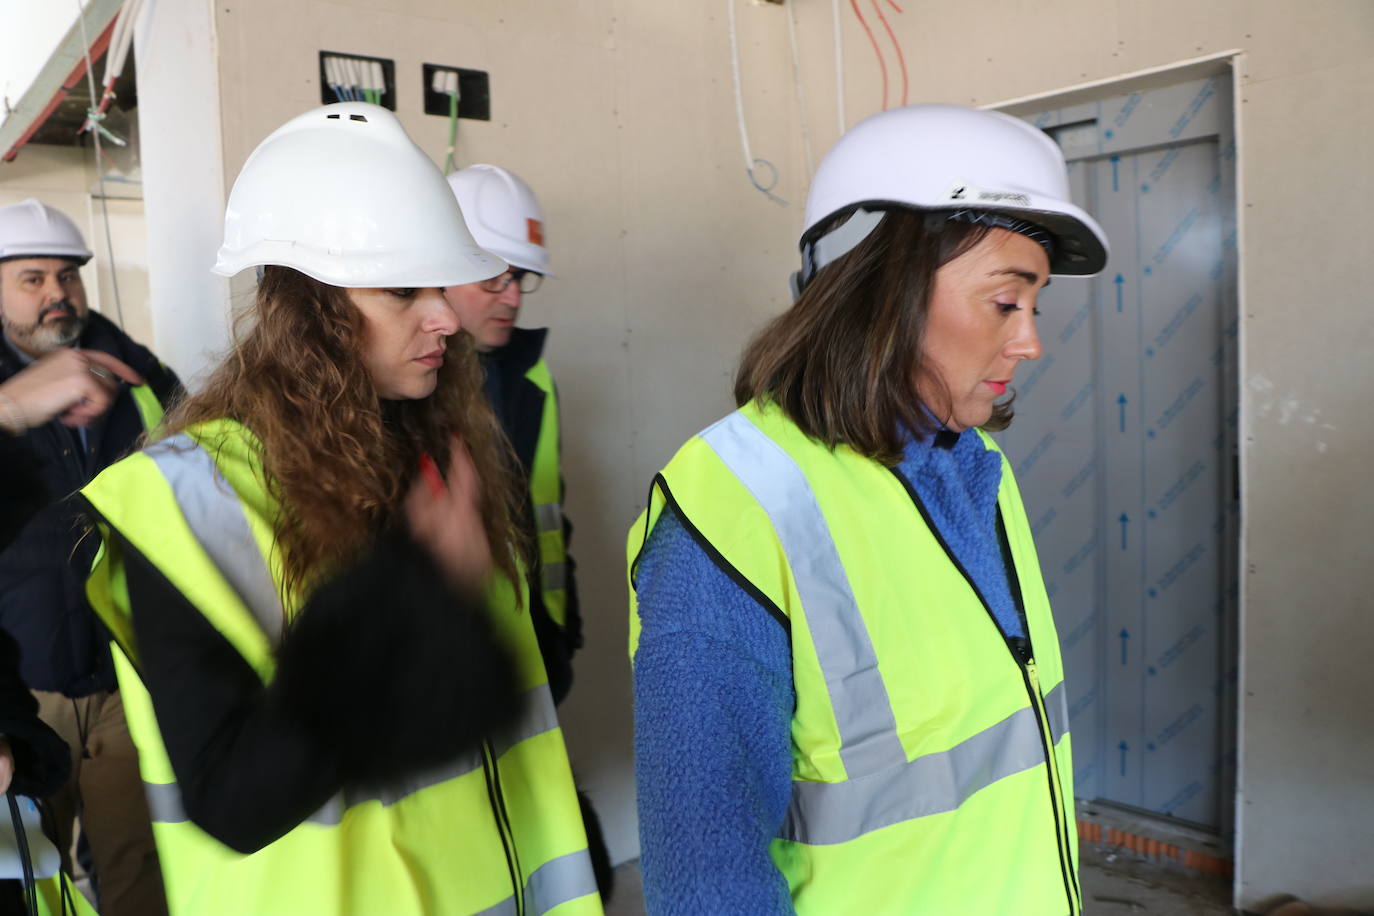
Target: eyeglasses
[[527, 281]]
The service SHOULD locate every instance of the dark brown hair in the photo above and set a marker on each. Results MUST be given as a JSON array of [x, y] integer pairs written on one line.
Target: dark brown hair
[[337, 457], [844, 360]]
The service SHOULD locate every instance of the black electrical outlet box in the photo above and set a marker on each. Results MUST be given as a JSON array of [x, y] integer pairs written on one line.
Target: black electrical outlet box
[[348, 77], [474, 93]]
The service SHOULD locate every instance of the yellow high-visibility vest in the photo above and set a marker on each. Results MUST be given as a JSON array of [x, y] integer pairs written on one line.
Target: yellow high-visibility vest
[[931, 758], [496, 832], [546, 493]]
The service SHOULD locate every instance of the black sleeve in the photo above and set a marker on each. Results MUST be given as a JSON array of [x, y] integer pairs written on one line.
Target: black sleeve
[[42, 760], [22, 492], [385, 672]]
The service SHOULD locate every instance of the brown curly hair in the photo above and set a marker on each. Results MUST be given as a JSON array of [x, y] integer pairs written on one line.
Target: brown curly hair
[[338, 458]]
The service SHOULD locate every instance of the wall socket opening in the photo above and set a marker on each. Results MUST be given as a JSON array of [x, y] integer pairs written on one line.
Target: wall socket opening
[[474, 91], [350, 77]]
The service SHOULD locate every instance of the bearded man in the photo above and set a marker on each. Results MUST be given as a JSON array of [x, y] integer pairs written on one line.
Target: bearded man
[[65, 655]]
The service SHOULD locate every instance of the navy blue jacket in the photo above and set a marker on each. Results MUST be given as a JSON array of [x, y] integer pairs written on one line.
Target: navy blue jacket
[[519, 405], [63, 646]]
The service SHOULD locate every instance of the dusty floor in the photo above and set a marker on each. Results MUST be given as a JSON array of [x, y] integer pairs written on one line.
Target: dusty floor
[[1110, 888]]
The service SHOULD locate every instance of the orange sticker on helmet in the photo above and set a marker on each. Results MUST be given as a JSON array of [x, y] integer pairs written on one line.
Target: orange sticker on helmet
[[535, 231]]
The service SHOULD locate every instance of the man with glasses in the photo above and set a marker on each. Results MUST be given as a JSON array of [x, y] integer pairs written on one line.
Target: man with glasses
[[505, 219]]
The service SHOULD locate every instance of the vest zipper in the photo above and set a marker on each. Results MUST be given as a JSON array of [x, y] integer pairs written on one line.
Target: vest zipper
[[1023, 654], [1056, 796], [498, 809]]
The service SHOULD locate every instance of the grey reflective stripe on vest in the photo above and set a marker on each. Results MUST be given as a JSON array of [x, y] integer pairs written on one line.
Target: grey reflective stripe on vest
[[164, 799], [858, 696], [540, 716], [554, 883], [164, 802], [215, 516], [555, 576], [826, 813], [504, 908], [549, 516], [559, 880], [1057, 709]]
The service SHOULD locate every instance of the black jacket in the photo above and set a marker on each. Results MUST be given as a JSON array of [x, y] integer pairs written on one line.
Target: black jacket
[[385, 672], [41, 759], [519, 405], [43, 572]]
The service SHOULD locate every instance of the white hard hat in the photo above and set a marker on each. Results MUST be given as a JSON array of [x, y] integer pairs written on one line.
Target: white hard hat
[[947, 157], [503, 214], [32, 229], [341, 194]]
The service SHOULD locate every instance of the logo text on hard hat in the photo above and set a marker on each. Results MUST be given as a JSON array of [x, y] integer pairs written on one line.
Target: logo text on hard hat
[[962, 190], [1004, 197], [535, 231]]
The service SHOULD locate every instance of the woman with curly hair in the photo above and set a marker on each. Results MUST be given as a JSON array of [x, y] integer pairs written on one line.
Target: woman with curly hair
[[328, 667]]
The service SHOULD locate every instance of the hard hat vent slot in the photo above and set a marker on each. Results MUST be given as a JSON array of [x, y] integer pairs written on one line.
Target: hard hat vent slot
[[332, 117], [358, 117]]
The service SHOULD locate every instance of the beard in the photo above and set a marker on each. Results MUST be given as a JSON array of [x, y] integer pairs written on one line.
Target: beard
[[59, 325]]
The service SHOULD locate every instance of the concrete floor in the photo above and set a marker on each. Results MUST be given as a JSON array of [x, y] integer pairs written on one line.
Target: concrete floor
[[1110, 888]]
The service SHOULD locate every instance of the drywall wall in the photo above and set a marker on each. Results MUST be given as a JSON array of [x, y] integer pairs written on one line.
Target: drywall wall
[[621, 114]]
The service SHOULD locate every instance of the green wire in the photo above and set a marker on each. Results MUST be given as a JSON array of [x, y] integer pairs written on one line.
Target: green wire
[[449, 165]]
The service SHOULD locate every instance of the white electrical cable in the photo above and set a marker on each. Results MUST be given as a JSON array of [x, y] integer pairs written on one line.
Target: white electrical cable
[[839, 64], [331, 76], [800, 87], [378, 79], [749, 160], [122, 41], [99, 169], [116, 38]]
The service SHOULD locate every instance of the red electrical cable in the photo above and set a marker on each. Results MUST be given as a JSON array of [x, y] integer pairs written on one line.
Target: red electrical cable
[[901, 59], [878, 52]]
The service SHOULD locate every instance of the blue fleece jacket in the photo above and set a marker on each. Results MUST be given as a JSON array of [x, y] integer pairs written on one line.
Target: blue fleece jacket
[[714, 695]]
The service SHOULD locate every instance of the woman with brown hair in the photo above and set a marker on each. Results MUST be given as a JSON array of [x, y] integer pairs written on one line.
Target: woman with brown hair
[[848, 689], [328, 667]]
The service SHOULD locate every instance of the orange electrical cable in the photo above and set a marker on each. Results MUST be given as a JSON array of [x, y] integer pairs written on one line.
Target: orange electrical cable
[[896, 46], [877, 51]]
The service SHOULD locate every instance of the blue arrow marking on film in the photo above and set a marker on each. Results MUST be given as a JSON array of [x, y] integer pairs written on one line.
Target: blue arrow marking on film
[[1121, 404], [1124, 638], [1119, 300], [1123, 747], [1124, 522], [1116, 185]]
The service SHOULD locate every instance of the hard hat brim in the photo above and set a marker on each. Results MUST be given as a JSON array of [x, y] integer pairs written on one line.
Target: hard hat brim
[[1081, 248]]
